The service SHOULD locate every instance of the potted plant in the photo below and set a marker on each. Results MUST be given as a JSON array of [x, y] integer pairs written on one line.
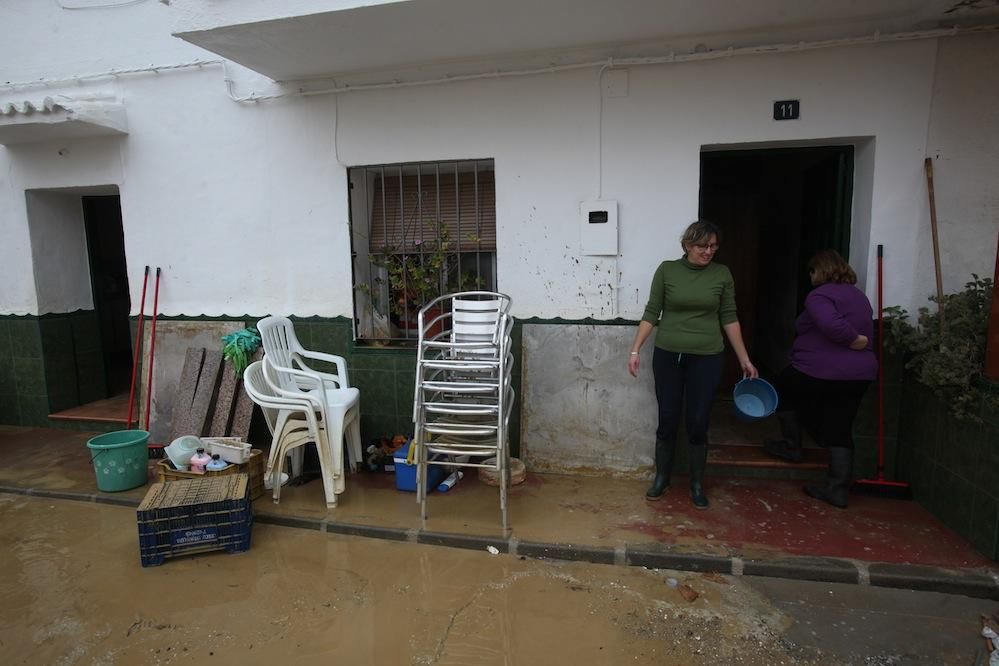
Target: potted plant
[[415, 278]]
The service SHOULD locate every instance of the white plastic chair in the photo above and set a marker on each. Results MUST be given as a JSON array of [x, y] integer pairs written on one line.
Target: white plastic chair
[[340, 424], [292, 422], [286, 356]]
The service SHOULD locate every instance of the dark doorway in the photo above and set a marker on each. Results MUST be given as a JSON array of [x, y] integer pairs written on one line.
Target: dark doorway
[[109, 277], [775, 208]]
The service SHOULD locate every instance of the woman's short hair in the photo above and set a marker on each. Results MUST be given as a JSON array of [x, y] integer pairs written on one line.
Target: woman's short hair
[[828, 266], [699, 232]]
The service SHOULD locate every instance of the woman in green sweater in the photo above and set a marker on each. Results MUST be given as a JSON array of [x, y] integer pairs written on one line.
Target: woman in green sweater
[[691, 301]]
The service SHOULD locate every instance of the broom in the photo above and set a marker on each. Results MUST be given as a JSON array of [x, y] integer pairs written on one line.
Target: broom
[[880, 486]]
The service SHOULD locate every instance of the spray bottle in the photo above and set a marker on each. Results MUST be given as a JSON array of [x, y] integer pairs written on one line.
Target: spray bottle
[[449, 482]]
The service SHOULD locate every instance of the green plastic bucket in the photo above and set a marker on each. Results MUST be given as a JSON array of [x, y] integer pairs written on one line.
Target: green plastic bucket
[[120, 459]]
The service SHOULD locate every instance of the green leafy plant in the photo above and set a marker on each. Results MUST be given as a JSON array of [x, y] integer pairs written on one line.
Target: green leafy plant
[[239, 347], [945, 348], [416, 278]]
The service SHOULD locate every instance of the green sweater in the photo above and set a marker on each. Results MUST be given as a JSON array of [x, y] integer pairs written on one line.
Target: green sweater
[[690, 304]]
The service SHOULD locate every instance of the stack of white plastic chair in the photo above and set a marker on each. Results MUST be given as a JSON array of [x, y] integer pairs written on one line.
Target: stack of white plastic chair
[[334, 401], [291, 420], [464, 396]]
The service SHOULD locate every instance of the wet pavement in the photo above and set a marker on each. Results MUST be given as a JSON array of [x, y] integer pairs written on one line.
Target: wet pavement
[[748, 519], [72, 592]]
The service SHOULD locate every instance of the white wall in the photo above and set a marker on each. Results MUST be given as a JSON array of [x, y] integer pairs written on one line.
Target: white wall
[[79, 163], [43, 40], [59, 252], [964, 144], [542, 131], [245, 206]]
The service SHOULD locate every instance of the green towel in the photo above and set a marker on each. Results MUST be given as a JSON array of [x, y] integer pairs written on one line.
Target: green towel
[[239, 347]]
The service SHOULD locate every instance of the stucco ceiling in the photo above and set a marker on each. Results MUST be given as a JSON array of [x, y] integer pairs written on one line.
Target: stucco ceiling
[[435, 34]]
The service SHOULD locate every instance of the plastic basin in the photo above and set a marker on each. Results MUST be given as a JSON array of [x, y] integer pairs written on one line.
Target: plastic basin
[[754, 399], [120, 459]]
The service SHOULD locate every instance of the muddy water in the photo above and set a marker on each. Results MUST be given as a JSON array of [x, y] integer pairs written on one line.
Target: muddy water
[[72, 592]]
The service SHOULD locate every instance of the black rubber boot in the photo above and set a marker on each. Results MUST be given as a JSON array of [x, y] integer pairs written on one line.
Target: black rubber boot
[[788, 448], [698, 461], [840, 471], [664, 467]]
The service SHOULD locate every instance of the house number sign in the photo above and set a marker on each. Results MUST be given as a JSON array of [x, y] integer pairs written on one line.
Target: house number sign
[[787, 109]]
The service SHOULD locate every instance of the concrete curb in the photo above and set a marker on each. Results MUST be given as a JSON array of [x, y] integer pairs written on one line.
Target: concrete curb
[[821, 569], [933, 579], [818, 569]]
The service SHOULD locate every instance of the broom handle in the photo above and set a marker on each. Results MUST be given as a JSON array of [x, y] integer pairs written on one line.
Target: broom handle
[[152, 348], [881, 366], [928, 166], [138, 345]]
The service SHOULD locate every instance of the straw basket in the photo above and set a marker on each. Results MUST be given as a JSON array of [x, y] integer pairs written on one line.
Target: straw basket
[[254, 468]]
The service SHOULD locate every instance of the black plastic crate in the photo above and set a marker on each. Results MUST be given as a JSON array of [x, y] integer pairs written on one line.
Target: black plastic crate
[[195, 516]]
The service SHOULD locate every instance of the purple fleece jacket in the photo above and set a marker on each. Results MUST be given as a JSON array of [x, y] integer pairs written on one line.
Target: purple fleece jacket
[[835, 314]]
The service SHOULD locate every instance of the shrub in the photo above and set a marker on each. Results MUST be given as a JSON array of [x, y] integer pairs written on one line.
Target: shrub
[[945, 349]]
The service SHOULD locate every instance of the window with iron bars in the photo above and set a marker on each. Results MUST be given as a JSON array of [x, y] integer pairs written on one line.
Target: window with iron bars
[[418, 231]]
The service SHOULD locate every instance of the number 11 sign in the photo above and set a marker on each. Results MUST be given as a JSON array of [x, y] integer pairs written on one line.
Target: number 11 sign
[[787, 109]]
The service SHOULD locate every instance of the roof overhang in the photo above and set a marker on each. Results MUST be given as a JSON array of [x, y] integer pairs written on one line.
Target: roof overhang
[[60, 117], [365, 41]]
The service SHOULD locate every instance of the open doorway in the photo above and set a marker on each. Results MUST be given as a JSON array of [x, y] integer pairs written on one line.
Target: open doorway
[[775, 207], [78, 256], [109, 280]]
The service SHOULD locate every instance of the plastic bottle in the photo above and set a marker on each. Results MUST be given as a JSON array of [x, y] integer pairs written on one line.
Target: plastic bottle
[[449, 482], [199, 460], [216, 463]]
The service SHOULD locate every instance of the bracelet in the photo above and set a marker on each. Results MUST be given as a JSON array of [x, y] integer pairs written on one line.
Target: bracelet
[[634, 353]]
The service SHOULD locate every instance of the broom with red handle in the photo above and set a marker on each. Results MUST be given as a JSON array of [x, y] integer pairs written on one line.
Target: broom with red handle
[[138, 347], [152, 348], [880, 485]]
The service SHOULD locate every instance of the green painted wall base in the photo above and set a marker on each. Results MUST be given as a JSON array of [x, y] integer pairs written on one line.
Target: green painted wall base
[[48, 363], [951, 465]]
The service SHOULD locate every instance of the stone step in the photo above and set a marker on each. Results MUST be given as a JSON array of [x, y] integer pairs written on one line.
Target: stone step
[[752, 461]]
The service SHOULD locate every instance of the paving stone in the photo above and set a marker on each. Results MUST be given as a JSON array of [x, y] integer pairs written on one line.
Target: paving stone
[[204, 397], [243, 409], [224, 401], [185, 393]]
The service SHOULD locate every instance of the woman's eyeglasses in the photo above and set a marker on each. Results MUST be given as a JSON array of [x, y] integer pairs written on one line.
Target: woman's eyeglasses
[[701, 247]]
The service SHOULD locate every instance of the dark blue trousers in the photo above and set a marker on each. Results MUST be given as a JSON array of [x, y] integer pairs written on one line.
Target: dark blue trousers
[[691, 376]]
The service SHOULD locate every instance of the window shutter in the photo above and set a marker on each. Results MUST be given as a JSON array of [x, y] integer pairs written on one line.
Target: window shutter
[[401, 224]]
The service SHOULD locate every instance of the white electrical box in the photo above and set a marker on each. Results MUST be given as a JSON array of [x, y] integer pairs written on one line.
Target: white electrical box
[[598, 227]]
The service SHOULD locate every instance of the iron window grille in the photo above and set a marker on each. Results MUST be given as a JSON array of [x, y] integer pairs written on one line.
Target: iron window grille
[[418, 231]]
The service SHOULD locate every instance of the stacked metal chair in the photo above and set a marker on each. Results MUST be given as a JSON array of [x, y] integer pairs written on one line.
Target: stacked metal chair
[[464, 394]]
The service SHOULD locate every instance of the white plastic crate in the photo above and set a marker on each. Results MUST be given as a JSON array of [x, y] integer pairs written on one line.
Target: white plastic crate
[[230, 449]]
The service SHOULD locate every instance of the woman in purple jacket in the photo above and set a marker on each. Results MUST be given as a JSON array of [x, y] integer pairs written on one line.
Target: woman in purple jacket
[[832, 364]]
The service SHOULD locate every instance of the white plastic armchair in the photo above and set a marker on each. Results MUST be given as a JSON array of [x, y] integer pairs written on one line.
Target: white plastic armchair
[[340, 415], [282, 345], [287, 357], [291, 420]]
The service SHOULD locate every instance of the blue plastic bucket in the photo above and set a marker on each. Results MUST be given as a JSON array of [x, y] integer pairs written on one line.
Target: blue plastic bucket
[[120, 459], [754, 399]]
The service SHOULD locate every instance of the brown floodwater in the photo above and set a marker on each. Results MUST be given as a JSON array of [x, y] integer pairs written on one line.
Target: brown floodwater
[[72, 592]]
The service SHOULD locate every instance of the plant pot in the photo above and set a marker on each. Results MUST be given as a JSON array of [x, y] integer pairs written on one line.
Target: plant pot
[[429, 315]]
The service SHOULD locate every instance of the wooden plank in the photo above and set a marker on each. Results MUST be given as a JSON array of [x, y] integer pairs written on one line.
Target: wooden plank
[[204, 397], [225, 401], [243, 410], [181, 421]]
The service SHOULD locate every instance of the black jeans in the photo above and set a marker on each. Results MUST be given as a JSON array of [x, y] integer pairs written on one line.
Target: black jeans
[[826, 408], [693, 376]]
